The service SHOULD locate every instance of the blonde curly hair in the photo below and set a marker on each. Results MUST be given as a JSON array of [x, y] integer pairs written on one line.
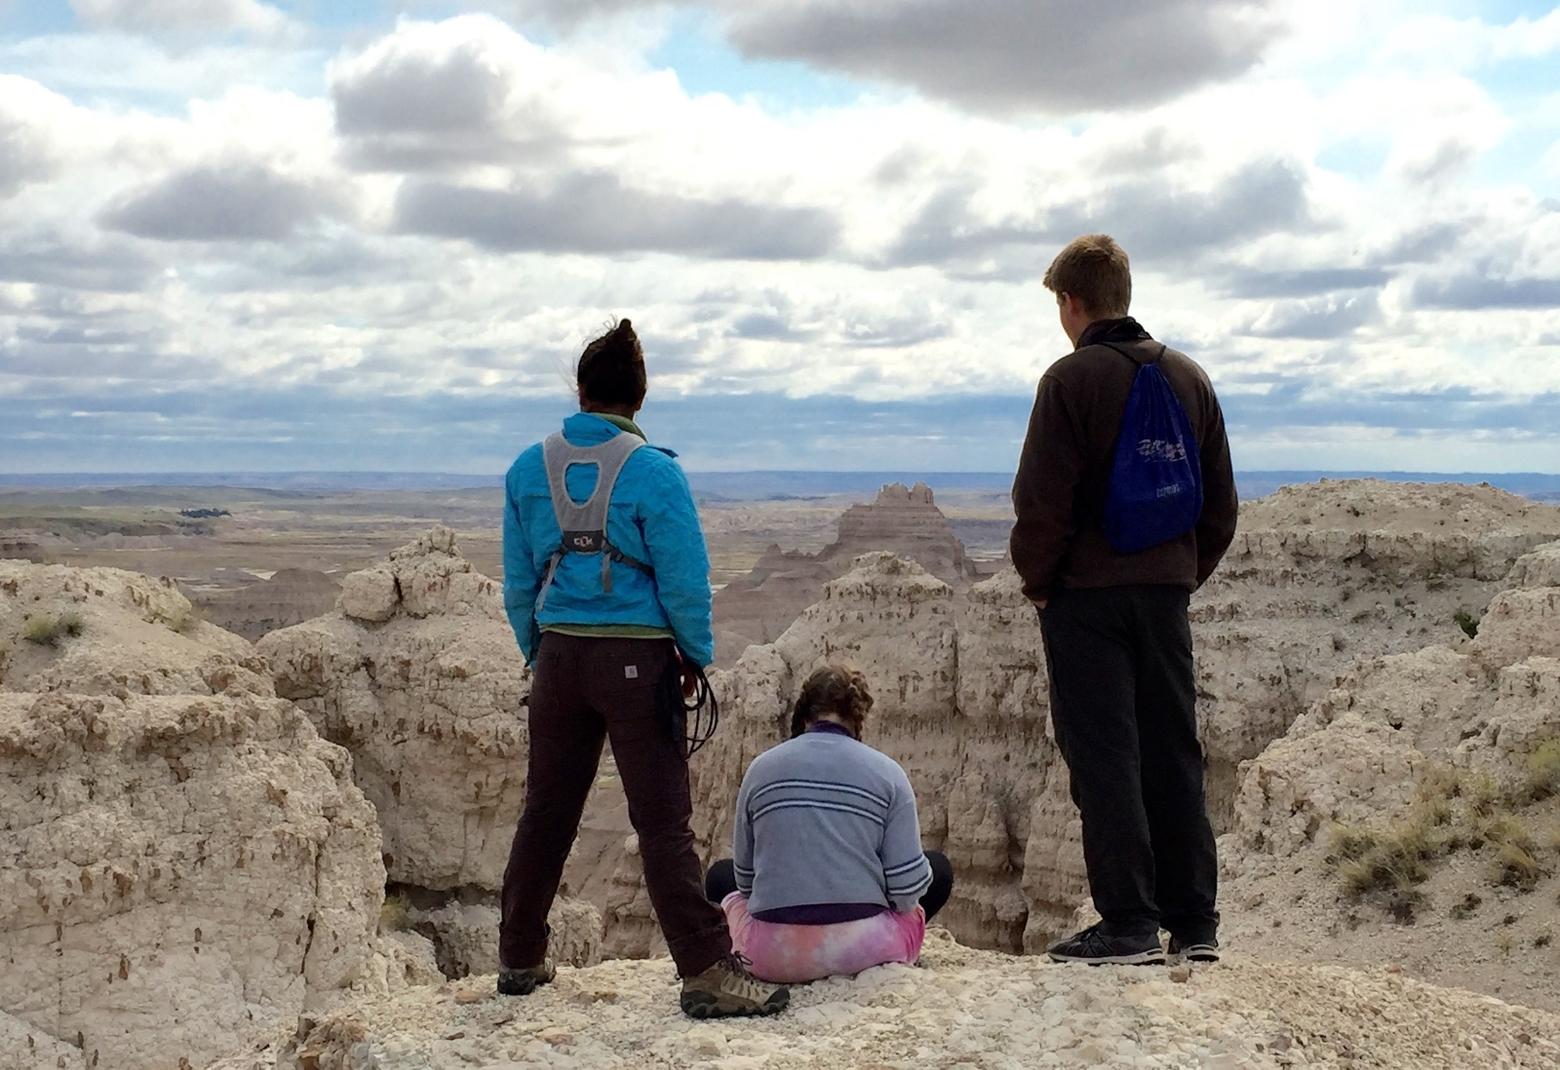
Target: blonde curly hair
[[839, 691]]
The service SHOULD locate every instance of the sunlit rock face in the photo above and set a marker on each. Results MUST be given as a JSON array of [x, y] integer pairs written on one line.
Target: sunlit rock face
[[417, 674], [188, 865]]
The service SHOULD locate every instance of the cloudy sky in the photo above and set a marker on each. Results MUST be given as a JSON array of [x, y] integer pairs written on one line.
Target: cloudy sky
[[371, 235]]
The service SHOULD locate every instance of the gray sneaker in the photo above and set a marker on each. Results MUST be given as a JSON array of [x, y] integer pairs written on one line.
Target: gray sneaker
[[727, 989], [1095, 947], [524, 981]]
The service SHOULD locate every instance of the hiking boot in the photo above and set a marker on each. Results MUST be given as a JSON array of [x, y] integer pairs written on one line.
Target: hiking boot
[[1194, 950], [728, 989], [1097, 948], [525, 981]]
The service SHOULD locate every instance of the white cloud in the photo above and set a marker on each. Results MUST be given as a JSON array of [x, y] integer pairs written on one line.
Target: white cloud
[[463, 205], [154, 16]]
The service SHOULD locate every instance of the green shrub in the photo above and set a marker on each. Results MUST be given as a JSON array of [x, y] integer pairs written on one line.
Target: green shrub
[[46, 630], [1467, 622], [396, 914]]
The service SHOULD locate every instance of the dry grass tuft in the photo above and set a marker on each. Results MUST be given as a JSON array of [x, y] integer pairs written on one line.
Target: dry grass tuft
[[1386, 865], [48, 630], [1543, 771], [1515, 867]]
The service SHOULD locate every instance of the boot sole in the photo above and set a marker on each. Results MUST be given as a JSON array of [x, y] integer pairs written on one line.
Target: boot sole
[[521, 987], [1195, 956], [708, 1009], [1141, 958]]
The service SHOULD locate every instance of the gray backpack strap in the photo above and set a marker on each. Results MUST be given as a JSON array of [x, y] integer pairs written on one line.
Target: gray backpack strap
[[584, 524]]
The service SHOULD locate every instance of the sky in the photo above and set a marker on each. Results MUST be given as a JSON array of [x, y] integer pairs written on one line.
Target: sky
[[371, 235]]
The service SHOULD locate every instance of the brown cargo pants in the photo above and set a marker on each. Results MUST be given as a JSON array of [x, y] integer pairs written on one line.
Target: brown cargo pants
[[584, 690]]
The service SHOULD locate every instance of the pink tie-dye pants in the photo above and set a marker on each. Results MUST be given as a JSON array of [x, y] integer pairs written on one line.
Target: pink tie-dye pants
[[792, 954]]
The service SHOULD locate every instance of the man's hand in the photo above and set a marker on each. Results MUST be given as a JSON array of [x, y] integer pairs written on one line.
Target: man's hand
[[1040, 605]]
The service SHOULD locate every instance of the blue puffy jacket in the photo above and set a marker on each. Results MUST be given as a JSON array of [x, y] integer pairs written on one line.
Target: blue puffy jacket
[[652, 518]]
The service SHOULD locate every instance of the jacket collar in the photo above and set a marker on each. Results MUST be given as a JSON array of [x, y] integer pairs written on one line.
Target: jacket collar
[[592, 429], [1125, 329]]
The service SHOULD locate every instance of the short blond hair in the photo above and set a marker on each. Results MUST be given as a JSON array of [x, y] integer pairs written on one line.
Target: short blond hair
[[1095, 270]]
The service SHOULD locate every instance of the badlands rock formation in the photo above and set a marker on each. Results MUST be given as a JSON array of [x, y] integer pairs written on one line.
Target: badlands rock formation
[[418, 676], [1319, 578], [290, 597], [1442, 748], [757, 607], [188, 866], [963, 1008]]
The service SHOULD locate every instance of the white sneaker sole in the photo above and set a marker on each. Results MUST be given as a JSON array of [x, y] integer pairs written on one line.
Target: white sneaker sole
[[1204, 955], [1141, 958]]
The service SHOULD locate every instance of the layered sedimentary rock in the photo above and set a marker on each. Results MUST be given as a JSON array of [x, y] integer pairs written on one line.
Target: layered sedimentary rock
[[962, 1008], [1320, 577], [418, 676], [188, 865], [1443, 748], [290, 597], [758, 607]]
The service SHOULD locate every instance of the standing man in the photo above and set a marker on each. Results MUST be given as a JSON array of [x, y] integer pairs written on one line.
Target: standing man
[[1112, 587], [606, 584]]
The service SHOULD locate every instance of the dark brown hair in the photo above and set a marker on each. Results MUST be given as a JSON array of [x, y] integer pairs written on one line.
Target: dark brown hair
[[1095, 270], [835, 690], [611, 371]]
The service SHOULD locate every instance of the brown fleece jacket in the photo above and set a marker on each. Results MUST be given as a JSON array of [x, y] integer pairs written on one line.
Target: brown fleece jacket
[[1064, 471]]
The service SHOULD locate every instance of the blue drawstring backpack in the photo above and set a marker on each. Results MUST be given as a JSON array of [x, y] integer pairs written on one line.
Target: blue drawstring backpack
[[1156, 490]]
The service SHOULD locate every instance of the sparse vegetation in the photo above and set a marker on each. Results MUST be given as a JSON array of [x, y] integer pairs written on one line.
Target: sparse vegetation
[[1515, 867], [1543, 771], [1505, 942], [1482, 794], [1449, 812], [1467, 622], [48, 629], [1386, 865], [184, 621], [1465, 908], [396, 914]]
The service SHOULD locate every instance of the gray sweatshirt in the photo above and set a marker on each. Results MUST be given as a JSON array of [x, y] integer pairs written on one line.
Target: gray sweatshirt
[[825, 819]]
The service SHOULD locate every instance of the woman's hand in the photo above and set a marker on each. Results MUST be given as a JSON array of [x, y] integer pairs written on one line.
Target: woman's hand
[[688, 671]]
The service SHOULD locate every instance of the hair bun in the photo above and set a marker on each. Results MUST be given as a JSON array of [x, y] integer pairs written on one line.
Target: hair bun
[[624, 325]]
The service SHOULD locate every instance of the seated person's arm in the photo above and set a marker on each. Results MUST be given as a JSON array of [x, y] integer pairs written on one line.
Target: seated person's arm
[[742, 842], [906, 872]]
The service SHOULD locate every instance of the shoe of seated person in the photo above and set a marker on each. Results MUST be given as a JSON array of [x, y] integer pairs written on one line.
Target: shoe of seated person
[[1194, 950], [728, 989], [1095, 947], [524, 981]]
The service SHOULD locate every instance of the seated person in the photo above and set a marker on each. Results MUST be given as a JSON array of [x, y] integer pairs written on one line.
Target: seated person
[[828, 875]]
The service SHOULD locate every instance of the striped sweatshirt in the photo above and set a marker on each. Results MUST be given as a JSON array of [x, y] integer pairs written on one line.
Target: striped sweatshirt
[[825, 819]]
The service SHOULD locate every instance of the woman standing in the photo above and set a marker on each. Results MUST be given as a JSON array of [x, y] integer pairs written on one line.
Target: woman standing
[[606, 584]]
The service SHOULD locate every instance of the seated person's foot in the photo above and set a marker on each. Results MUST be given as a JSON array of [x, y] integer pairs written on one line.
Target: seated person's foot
[[727, 989], [1098, 948], [1194, 950], [523, 982]]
